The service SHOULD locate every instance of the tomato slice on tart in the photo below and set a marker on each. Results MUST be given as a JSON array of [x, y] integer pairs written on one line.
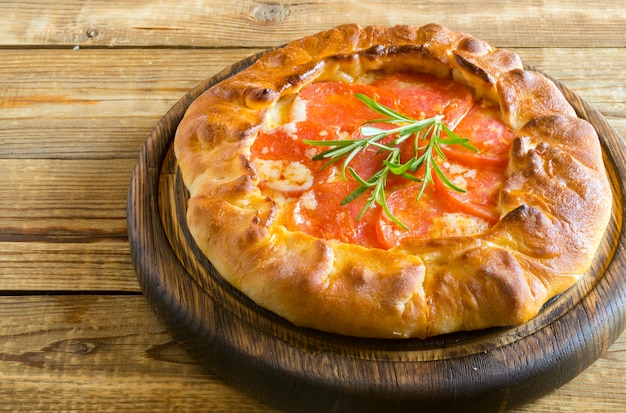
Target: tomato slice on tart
[[286, 142], [423, 96], [419, 217], [482, 187], [319, 212], [488, 133], [333, 104]]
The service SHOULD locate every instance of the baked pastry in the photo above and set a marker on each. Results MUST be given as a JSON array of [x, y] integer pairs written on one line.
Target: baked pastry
[[256, 218]]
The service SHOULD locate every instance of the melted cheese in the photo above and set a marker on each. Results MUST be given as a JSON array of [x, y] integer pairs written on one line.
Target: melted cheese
[[309, 201], [282, 176], [298, 110], [278, 114], [457, 224], [459, 174]]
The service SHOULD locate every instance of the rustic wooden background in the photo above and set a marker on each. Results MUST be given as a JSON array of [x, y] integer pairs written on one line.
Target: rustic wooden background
[[81, 86]]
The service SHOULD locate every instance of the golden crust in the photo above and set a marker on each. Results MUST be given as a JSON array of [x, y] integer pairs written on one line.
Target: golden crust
[[555, 204]]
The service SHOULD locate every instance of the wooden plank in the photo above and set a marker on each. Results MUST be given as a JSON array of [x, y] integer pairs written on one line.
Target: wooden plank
[[103, 265], [110, 353], [253, 24], [109, 101], [32, 136], [63, 225], [52, 199], [87, 353], [101, 98], [102, 83]]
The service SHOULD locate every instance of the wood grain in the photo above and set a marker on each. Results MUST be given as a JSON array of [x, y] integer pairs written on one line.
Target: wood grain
[[59, 199], [90, 353], [108, 101], [253, 24], [74, 266]]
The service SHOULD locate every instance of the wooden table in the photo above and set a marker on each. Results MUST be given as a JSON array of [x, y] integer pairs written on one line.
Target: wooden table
[[81, 86]]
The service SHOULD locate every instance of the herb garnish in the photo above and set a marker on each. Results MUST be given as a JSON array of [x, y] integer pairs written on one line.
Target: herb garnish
[[426, 150]]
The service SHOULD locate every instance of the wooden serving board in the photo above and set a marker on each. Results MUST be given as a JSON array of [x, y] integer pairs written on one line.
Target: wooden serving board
[[304, 370]]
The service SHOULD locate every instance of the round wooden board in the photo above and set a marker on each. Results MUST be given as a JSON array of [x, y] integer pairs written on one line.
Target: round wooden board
[[303, 370]]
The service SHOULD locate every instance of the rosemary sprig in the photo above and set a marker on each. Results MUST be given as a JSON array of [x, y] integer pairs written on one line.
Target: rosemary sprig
[[426, 150]]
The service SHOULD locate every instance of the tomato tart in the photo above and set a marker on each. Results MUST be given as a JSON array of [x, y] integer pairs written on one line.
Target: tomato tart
[[393, 182]]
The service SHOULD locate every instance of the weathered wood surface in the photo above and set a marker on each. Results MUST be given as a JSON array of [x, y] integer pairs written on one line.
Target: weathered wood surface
[[83, 83], [248, 23]]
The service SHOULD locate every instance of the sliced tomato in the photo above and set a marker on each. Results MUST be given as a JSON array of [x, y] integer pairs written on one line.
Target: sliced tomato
[[423, 96], [418, 216], [286, 142], [482, 185], [334, 104], [319, 213], [485, 129]]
